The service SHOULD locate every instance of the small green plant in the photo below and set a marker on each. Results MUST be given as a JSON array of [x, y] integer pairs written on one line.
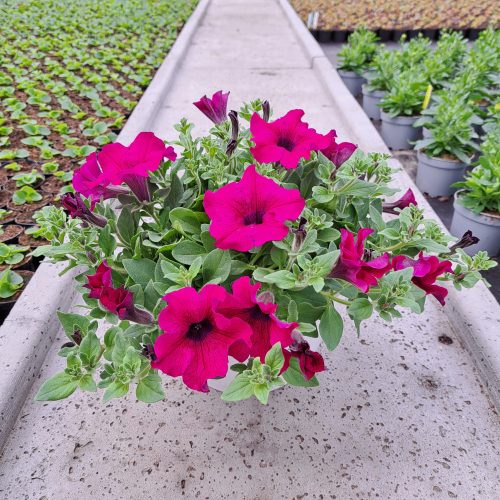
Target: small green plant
[[384, 67], [10, 283], [50, 167], [4, 213], [28, 179], [357, 54], [13, 167], [26, 195], [406, 96], [12, 254]]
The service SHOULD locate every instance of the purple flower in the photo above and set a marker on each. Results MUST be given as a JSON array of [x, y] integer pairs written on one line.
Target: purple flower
[[214, 108], [405, 201], [75, 206]]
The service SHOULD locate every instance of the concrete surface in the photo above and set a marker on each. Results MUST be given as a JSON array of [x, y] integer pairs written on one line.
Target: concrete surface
[[400, 414]]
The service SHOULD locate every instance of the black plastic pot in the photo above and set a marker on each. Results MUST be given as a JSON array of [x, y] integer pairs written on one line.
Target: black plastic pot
[[340, 36], [473, 33], [7, 304], [397, 34], [324, 36], [430, 33], [384, 35]]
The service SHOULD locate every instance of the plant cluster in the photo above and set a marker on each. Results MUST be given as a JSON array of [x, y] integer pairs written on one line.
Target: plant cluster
[[400, 14], [359, 51], [231, 252]]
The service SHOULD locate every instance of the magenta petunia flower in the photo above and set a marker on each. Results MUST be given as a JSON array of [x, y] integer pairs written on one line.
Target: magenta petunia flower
[[198, 338], [132, 164], [251, 212], [310, 362], [100, 280], [120, 301], [425, 272], [215, 108], [91, 183], [75, 207], [338, 153], [405, 201], [286, 140], [267, 329], [352, 268]]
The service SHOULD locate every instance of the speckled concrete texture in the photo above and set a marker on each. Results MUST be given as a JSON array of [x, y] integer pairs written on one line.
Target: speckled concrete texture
[[400, 414]]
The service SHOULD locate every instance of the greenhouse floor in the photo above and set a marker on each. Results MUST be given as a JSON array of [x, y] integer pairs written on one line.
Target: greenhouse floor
[[401, 412]]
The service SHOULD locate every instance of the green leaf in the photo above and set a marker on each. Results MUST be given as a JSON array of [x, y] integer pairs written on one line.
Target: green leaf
[[360, 309], [115, 390], [331, 327], [295, 377], [59, 386], [87, 383], [107, 241], [284, 279], [216, 266], [186, 220], [239, 389], [73, 322], [149, 389], [275, 358], [90, 349], [141, 270], [126, 225], [186, 252], [261, 392]]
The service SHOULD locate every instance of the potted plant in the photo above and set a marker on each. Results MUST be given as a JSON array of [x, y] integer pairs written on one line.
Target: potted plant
[[477, 204], [384, 66], [11, 285], [232, 254], [446, 153], [400, 108], [355, 58]]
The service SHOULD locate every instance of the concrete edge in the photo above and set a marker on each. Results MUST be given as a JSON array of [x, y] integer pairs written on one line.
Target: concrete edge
[[31, 327], [473, 313]]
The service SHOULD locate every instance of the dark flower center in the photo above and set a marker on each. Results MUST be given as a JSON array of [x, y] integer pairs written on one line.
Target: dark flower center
[[256, 217], [199, 331], [286, 143], [257, 315]]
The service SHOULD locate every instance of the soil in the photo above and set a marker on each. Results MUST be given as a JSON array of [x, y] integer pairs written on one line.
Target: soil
[[7, 304], [11, 233], [25, 264]]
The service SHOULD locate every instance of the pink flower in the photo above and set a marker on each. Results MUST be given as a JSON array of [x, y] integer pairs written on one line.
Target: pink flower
[[214, 108], [338, 153], [251, 212], [197, 338], [285, 140], [75, 207], [405, 201], [120, 301], [132, 164], [100, 280], [267, 329], [425, 272], [310, 362], [352, 268], [90, 182]]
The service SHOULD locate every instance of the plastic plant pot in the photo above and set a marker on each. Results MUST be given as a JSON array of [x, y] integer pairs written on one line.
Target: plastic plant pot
[[340, 36], [398, 132], [352, 81], [324, 36], [426, 133], [485, 226], [371, 98], [436, 175], [7, 304]]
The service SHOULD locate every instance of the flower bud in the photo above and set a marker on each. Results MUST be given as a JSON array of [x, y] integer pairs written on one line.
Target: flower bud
[[75, 207], [467, 240]]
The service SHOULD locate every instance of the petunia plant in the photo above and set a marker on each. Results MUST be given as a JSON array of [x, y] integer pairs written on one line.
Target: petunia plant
[[225, 259]]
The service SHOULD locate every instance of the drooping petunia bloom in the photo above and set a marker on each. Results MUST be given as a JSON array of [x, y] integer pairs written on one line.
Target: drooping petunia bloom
[[215, 108], [310, 362], [338, 153], [91, 183], [75, 207], [467, 240], [425, 272], [352, 268], [267, 329], [251, 212], [120, 301], [132, 164], [100, 280], [197, 338], [405, 201], [286, 140]]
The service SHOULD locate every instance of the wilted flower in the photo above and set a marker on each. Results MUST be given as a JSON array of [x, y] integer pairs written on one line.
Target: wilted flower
[[352, 268], [467, 240], [231, 146], [425, 272], [251, 212], [337, 153], [286, 140], [132, 164], [120, 301], [75, 206], [197, 338], [214, 108], [266, 111], [405, 201], [310, 362]]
